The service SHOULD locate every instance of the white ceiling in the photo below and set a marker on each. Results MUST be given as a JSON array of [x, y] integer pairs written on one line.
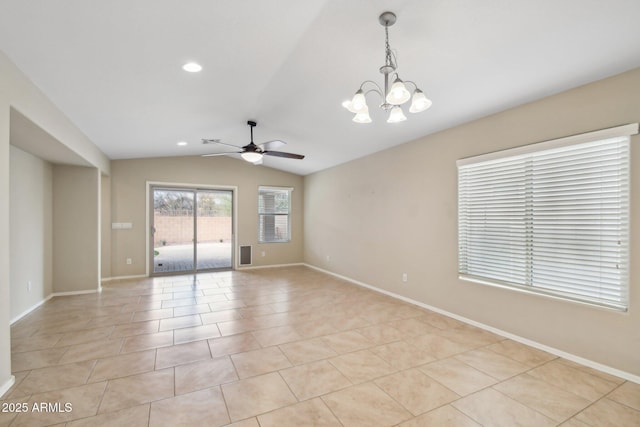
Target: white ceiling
[[114, 67]]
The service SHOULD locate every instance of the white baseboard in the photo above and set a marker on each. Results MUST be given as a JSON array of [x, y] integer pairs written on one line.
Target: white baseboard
[[572, 357], [7, 385], [51, 295], [136, 276], [30, 309], [256, 267], [66, 294], [239, 268]]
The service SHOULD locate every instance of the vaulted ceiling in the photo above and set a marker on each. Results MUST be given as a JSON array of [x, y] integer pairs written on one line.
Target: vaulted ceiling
[[114, 67]]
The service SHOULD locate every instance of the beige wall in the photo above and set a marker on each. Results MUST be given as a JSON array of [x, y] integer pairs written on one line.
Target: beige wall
[[31, 230], [76, 228], [128, 201], [105, 226], [395, 212], [5, 306]]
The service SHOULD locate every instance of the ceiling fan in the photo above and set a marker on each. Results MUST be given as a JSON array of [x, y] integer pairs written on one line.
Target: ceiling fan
[[251, 152]]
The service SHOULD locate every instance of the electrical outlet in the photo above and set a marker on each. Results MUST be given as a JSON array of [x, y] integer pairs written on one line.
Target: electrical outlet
[[29, 285], [405, 278], [129, 261], [328, 257], [263, 253]]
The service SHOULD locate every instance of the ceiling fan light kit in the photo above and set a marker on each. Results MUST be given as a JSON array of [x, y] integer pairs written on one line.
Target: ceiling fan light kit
[[392, 97], [251, 157]]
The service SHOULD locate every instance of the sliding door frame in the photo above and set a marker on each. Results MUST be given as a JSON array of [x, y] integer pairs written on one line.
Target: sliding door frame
[[189, 187]]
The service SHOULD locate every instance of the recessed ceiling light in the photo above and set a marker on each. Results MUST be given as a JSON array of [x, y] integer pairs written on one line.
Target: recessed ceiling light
[[181, 143], [192, 67]]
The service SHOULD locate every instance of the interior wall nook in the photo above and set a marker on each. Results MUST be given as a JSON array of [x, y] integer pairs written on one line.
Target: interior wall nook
[[33, 125]]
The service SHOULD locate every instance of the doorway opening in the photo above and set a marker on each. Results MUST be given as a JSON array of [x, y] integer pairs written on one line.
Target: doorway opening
[[191, 229]]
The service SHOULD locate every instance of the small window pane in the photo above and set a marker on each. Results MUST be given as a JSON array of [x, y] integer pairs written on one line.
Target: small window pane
[[274, 206]]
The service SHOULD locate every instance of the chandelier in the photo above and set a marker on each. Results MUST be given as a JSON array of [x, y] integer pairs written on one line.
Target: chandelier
[[392, 97]]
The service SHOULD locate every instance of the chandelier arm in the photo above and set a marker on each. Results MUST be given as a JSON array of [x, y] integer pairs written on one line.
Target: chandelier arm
[[413, 83], [374, 90], [373, 83]]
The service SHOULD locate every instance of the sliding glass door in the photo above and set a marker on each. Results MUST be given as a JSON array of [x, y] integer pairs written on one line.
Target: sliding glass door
[[214, 229], [173, 226], [192, 229]]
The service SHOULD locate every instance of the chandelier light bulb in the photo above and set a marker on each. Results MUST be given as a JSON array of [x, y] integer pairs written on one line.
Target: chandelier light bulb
[[396, 115], [398, 93], [362, 116], [347, 104], [251, 156], [358, 102], [419, 102]]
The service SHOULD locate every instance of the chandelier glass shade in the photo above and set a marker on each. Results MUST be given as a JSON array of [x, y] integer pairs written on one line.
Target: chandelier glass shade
[[396, 115], [394, 95]]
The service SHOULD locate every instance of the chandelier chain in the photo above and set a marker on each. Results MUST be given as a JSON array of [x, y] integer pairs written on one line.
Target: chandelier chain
[[387, 49]]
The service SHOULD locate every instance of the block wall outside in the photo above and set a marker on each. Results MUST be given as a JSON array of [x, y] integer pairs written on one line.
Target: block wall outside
[[179, 229]]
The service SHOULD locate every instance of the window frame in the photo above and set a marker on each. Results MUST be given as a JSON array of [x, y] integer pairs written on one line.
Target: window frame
[[261, 214], [515, 154]]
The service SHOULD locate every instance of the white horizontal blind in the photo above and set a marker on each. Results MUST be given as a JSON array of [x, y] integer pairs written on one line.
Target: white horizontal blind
[[553, 221], [492, 220], [274, 206]]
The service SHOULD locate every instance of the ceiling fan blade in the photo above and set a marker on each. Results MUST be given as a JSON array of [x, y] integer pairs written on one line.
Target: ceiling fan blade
[[217, 141], [270, 145], [221, 154], [283, 154]]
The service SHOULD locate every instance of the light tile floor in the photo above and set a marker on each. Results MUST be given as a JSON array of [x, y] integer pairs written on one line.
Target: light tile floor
[[287, 347]]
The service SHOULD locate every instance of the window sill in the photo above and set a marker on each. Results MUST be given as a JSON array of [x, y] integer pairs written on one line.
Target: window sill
[[542, 293]]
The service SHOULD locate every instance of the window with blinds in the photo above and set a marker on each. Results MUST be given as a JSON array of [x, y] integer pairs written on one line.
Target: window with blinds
[[274, 212], [550, 218]]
